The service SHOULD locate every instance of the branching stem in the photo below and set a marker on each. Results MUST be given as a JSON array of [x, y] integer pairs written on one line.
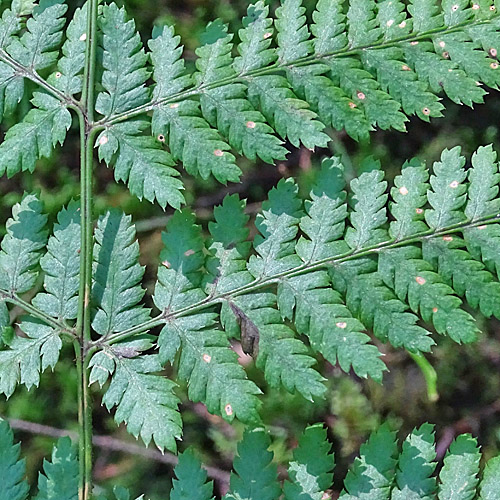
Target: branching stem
[[303, 268], [279, 67]]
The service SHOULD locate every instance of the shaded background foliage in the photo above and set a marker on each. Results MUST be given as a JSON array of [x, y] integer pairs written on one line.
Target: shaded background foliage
[[468, 381]]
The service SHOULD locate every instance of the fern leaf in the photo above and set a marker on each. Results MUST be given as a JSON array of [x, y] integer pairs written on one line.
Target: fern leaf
[[60, 481], [293, 33], [191, 140], [490, 484], [376, 306], [140, 161], [458, 477], [414, 279], [27, 356], [467, 276], [117, 275], [328, 28], [144, 400], [310, 472], [410, 195], [179, 275], [121, 493], [370, 476], [227, 107], [448, 191], [283, 358], [362, 23], [277, 225], [69, 78], [228, 247], [288, 115], [123, 61], [191, 480], [35, 136], [483, 178], [61, 266], [26, 236], [416, 465], [12, 468], [38, 46], [211, 368], [254, 476], [368, 203]]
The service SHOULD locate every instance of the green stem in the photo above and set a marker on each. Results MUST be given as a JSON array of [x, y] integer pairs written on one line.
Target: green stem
[[87, 135], [296, 271], [429, 374]]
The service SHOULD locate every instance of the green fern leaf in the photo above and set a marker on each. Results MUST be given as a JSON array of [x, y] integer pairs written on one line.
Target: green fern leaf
[[376, 306], [448, 193], [144, 401], [140, 161], [69, 78], [228, 248], [123, 60], [254, 476], [370, 476], [328, 28], [12, 469], [121, 493], [458, 477], [278, 226], [60, 481], [293, 33], [483, 184], [410, 195], [35, 136], [26, 236], [38, 46], [368, 203], [490, 484], [191, 480], [117, 275], [61, 266], [191, 140], [310, 472], [227, 107], [211, 368], [415, 467], [283, 358], [27, 356], [179, 275]]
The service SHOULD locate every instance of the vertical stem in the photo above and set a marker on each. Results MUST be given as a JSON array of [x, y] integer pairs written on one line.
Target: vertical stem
[[87, 135]]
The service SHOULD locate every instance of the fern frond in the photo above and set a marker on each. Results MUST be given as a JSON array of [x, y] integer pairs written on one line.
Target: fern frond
[[35, 136], [458, 477], [117, 275], [490, 484], [20, 254], [69, 78], [12, 468], [254, 475], [144, 400], [310, 472], [191, 480], [26, 357], [416, 465], [60, 481], [350, 273], [141, 162], [123, 61], [61, 267], [371, 475], [38, 47]]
